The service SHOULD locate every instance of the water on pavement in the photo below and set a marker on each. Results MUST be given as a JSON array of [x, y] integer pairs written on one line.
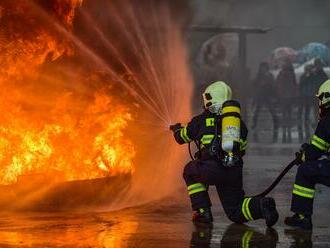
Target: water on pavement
[[166, 223]]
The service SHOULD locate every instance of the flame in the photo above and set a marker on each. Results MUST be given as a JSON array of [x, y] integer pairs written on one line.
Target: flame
[[46, 128], [82, 145]]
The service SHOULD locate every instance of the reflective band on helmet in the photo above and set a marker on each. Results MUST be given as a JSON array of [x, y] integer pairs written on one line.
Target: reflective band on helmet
[[303, 192], [245, 209], [195, 188], [184, 135], [207, 139], [247, 238], [320, 143]]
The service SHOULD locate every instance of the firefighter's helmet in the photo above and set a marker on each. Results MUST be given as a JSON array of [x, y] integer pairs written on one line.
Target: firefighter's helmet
[[215, 95], [324, 95]]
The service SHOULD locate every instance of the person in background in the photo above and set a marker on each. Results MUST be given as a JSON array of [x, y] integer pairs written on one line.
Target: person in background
[[319, 76], [264, 96], [287, 92], [305, 107]]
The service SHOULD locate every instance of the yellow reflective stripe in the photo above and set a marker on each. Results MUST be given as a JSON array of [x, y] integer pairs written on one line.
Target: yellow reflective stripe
[[184, 135], [196, 191], [296, 192], [231, 109], [243, 209], [247, 238], [246, 210], [243, 144], [303, 192], [304, 188], [209, 122], [322, 148], [320, 143], [207, 139], [195, 188]]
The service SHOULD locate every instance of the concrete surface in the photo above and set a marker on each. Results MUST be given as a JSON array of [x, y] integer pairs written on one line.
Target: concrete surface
[[167, 223]]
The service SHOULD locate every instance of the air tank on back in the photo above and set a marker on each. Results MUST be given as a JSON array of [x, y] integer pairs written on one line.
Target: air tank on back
[[231, 131]]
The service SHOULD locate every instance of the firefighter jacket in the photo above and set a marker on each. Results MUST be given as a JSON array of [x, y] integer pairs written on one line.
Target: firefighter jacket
[[202, 129], [320, 141]]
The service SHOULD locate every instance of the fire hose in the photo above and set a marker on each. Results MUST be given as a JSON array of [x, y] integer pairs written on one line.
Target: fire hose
[[278, 179]]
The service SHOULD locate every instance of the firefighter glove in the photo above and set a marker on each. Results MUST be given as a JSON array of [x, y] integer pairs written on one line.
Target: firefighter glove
[[301, 155], [175, 127]]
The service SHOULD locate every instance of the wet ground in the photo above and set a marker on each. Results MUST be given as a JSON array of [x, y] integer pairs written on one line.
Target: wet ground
[[167, 223]]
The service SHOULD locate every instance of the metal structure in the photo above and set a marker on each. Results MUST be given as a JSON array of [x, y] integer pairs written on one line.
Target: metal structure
[[242, 33]]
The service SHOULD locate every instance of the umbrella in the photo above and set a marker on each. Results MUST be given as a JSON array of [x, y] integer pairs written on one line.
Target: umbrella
[[282, 54], [314, 50]]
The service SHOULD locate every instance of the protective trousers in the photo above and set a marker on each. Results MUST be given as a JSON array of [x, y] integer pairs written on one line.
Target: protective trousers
[[199, 174], [309, 174]]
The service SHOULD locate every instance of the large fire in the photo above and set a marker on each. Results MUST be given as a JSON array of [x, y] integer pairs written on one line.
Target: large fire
[[47, 126]]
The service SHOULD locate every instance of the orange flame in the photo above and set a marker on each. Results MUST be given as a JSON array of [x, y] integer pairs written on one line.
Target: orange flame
[[79, 136]]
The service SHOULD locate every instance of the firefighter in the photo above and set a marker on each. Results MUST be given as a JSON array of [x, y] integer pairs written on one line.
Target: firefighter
[[314, 165], [219, 161]]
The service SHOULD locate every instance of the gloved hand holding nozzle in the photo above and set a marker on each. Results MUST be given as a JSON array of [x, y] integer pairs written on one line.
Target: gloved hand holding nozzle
[[175, 127], [300, 155]]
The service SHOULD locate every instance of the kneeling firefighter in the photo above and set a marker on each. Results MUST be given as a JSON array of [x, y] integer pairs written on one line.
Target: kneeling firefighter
[[314, 165], [222, 139]]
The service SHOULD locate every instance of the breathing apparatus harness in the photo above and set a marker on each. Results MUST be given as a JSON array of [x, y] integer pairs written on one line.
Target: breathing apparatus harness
[[224, 147]]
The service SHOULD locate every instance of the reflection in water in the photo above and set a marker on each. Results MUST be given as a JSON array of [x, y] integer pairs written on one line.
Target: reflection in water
[[68, 230], [140, 228], [118, 235], [235, 236], [301, 238], [201, 236], [246, 237]]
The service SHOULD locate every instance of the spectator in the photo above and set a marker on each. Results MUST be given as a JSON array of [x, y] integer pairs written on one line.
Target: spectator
[[264, 96], [287, 88], [319, 76], [306, 99]]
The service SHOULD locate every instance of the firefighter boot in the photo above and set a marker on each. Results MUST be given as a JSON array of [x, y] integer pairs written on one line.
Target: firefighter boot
[[268, 210], [300, 221], [203, 215]]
